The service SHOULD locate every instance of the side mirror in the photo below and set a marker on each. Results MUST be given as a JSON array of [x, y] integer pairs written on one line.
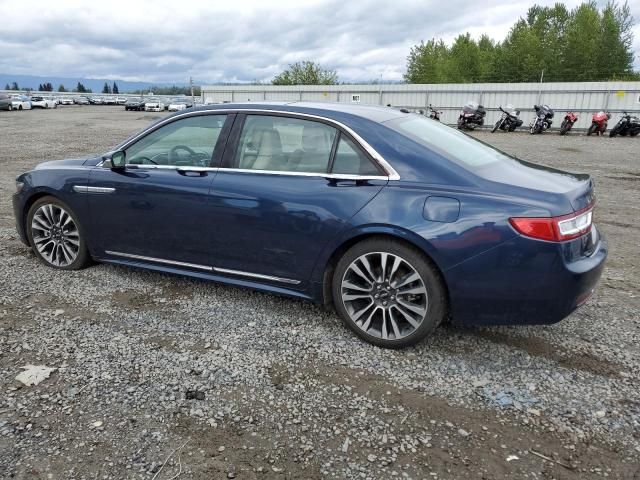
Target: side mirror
[[118, 160]]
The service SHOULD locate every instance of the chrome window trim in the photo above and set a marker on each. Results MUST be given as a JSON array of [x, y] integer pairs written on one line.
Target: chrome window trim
[[203, 267], [391, 172], [179, 168], [88, 189], [336, 176]]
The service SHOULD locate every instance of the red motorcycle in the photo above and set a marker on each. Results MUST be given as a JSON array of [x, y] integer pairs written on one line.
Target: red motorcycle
[[599, 123], [569, 119]]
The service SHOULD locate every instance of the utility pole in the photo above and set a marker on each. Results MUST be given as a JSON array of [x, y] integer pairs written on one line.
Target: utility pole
[[193, 100], [540, 90]]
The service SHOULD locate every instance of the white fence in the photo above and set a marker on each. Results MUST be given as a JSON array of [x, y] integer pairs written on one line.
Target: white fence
[[583, 98]]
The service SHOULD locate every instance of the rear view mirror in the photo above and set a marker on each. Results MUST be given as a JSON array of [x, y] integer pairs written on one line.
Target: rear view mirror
[[118, 160]]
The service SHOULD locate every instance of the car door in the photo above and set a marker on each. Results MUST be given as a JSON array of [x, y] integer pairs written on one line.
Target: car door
[[156, 209], [286, 187]]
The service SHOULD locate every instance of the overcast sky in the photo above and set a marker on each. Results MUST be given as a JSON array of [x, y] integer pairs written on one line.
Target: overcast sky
[[238, 40]]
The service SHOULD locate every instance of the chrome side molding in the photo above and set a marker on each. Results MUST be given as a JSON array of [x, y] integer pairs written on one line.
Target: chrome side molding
[[256, 275], [87, 189], [159, 260], [206, 268]]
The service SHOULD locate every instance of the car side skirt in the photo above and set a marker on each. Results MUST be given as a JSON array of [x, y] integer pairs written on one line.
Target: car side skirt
[[210, 276]]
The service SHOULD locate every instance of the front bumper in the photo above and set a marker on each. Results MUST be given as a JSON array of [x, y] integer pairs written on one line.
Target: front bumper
[[525, 282], [18, 209]]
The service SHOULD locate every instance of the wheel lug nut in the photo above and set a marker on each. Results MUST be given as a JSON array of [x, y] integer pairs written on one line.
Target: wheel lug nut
[[384, 303]]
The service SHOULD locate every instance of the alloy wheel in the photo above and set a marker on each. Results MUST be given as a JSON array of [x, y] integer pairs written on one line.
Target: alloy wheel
[[384, 295], [55, 235]]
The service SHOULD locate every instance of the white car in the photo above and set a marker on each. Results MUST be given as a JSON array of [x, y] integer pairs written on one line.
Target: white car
[[66, 101], [154, 106], [20, 102], [43, 102], [176, 106]]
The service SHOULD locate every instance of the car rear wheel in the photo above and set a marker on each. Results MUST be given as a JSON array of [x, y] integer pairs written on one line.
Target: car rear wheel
[[388, 293], [56, 236]]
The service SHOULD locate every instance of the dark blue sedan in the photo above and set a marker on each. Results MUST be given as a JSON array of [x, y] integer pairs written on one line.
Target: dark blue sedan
[[397, 221]]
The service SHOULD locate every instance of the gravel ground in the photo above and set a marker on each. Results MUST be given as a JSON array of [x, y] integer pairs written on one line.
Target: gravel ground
[[159, 377]]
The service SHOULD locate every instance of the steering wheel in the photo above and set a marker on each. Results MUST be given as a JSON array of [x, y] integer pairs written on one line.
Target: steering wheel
[[173, 153]]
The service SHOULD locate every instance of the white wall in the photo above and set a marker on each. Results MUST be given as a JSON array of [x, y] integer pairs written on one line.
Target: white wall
[[583, 98]]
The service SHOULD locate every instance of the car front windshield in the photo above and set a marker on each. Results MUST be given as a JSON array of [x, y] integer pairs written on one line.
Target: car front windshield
[[448, 142]]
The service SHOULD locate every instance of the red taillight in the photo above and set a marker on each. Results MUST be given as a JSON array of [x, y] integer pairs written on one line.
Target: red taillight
[[555, 229]]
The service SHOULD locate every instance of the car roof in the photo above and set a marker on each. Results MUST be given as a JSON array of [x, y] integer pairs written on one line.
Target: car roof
[[331, 110]]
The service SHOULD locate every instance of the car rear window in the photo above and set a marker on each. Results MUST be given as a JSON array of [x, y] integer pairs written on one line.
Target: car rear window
[[449, 142]]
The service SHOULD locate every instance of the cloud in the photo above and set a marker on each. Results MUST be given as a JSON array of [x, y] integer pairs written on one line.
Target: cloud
[[166, 41]]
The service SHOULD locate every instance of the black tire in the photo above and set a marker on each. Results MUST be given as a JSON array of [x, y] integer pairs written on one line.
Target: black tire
[[436, 300], [613, 132], [83, 259], [496, 126], [592, 129], [19, 107], [564, 128], [635, 133]]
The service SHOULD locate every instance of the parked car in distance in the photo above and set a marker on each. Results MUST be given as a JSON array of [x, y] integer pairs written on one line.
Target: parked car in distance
[[177, 105], [66, 101], [120, 100], [396, 220], [96, 101], [20, 102], [6, 102], [43, 102], [154, 106], [81, 100], [136, 104]]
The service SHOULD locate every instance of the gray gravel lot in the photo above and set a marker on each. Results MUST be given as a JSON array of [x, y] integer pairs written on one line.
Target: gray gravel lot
[[160, 377]]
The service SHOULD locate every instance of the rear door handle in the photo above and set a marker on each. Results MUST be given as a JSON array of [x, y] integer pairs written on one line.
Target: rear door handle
[[193, 171]]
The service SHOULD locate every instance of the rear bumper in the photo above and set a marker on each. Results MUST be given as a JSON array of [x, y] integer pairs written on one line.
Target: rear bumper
[[524, 282]]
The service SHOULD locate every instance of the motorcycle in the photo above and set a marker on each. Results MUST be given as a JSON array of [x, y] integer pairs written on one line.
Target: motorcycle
[[543, 121], [567, 124], [472, 115], [628, 124], [599, 123], [433, 113], [509, 120]]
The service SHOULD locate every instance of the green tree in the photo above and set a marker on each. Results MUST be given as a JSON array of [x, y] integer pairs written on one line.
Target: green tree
[[306, 73], [614, 55], [426, 63], [106, 88], [464, 60], [7, 87], [61, 88], [586, 43], [114, 89], [14, 86]]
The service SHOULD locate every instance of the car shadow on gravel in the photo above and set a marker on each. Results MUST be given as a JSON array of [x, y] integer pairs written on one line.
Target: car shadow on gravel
[[542, 348]]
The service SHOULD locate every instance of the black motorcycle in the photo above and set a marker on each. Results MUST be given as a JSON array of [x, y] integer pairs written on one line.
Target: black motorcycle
[[433, 113], [509, 120], [543, 119], [627, 125], [472, 115]]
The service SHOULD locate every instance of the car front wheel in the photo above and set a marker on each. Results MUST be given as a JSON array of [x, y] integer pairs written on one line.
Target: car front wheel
[[56, 236], [388, 293]]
